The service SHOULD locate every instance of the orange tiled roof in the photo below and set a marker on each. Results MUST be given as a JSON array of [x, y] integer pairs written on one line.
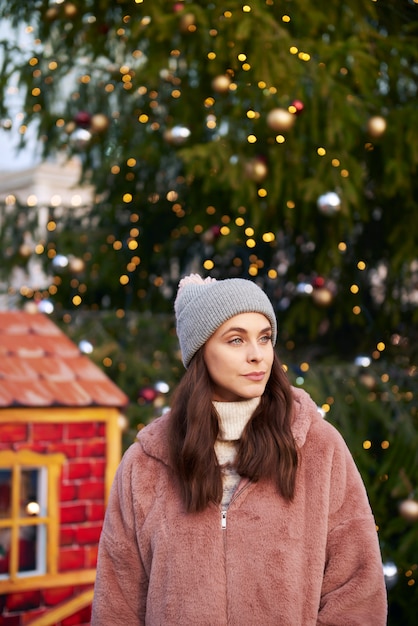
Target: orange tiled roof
[[40, 367]]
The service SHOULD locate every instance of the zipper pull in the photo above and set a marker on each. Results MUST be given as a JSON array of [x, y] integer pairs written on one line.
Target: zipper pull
[[223, 520]]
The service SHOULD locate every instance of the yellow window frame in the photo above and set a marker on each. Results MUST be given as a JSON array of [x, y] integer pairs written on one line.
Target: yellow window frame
[[15, 461]]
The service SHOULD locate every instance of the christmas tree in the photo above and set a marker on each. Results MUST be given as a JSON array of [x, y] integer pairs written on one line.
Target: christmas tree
[[276, 141]]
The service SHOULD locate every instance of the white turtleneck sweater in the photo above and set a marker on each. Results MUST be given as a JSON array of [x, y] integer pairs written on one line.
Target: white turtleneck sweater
[[233, 417]]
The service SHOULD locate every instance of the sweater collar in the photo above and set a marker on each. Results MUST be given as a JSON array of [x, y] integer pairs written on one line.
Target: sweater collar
[[233, 417]]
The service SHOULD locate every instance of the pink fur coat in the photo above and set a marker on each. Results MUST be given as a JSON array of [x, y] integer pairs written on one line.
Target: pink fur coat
[[315, 561]]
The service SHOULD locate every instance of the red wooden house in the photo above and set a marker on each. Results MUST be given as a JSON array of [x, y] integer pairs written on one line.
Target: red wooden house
[[60, 444]]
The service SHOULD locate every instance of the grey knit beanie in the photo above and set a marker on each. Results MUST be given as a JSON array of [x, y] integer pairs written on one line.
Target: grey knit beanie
[[202, 305]]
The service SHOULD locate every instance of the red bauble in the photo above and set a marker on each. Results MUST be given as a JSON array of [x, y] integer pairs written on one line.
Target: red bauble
[[318, 282], [298, 106], [147, 394], [82, 119]]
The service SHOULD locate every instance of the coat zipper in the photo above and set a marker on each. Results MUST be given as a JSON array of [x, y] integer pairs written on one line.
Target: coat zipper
[[234, 497]]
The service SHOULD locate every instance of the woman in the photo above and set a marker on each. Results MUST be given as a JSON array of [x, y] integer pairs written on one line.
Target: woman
[[242, 506]]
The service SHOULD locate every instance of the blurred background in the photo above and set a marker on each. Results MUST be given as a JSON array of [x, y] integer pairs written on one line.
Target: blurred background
[[275, 141]]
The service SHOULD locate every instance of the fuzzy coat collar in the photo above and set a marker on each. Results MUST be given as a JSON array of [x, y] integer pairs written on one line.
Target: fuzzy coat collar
[[305, 412]]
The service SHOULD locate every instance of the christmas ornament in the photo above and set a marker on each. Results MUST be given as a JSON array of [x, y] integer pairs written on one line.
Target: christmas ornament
[[280, 119], [45, 306], [70, 127], [187, 22], [59, 262], [25, 250], [162, 387], [123, 422], [409, 510], [31, 307], [256, 169], [368, 381], [210, 235], [221, 83], [322, 296], [76, 265], [329, 203], [177, 135], [85, 346], [390, 572], [80, 138], [376, 126], [298, 106], [82, 119], [362, 361], [147, 394], [70, 10], [318, 282], [51, 14], [99, 123], [6, 124], [304, 288]]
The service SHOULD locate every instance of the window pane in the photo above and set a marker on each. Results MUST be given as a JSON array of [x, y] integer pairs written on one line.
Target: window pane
[[27, 548], [5, 493], [29, 500]]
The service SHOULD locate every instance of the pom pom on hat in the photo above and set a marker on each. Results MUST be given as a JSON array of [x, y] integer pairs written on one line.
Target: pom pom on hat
[[202, 305]]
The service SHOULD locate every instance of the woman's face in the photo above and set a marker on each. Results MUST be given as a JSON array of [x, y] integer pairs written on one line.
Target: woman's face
[[239, 357]]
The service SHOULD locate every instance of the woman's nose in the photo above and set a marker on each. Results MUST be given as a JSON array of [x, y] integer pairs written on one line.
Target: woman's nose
[[254, 353]]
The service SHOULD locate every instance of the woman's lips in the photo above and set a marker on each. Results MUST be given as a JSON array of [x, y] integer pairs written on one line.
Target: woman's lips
[[255, 376]]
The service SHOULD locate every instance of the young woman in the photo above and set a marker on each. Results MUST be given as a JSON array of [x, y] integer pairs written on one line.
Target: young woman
[[241, 506]]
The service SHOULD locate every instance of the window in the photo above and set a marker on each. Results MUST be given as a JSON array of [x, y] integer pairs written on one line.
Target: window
[[28, 513]]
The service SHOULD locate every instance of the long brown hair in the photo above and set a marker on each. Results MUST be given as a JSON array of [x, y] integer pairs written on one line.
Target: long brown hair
[[266, 449]]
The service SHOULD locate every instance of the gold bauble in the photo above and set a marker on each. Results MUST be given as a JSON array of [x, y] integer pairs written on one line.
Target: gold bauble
[[221, 83], [31, 307], [51, 14], [368, 381], [280, 119], [25, 250], [70, 10], [76, 265], [256, 169], [409, 510], [70, 127], [322, 296], [376, 126], [187, 20], [99, 123]]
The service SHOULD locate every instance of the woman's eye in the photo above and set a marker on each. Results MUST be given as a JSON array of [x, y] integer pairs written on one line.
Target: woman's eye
[[266, 338], [235, 340]]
